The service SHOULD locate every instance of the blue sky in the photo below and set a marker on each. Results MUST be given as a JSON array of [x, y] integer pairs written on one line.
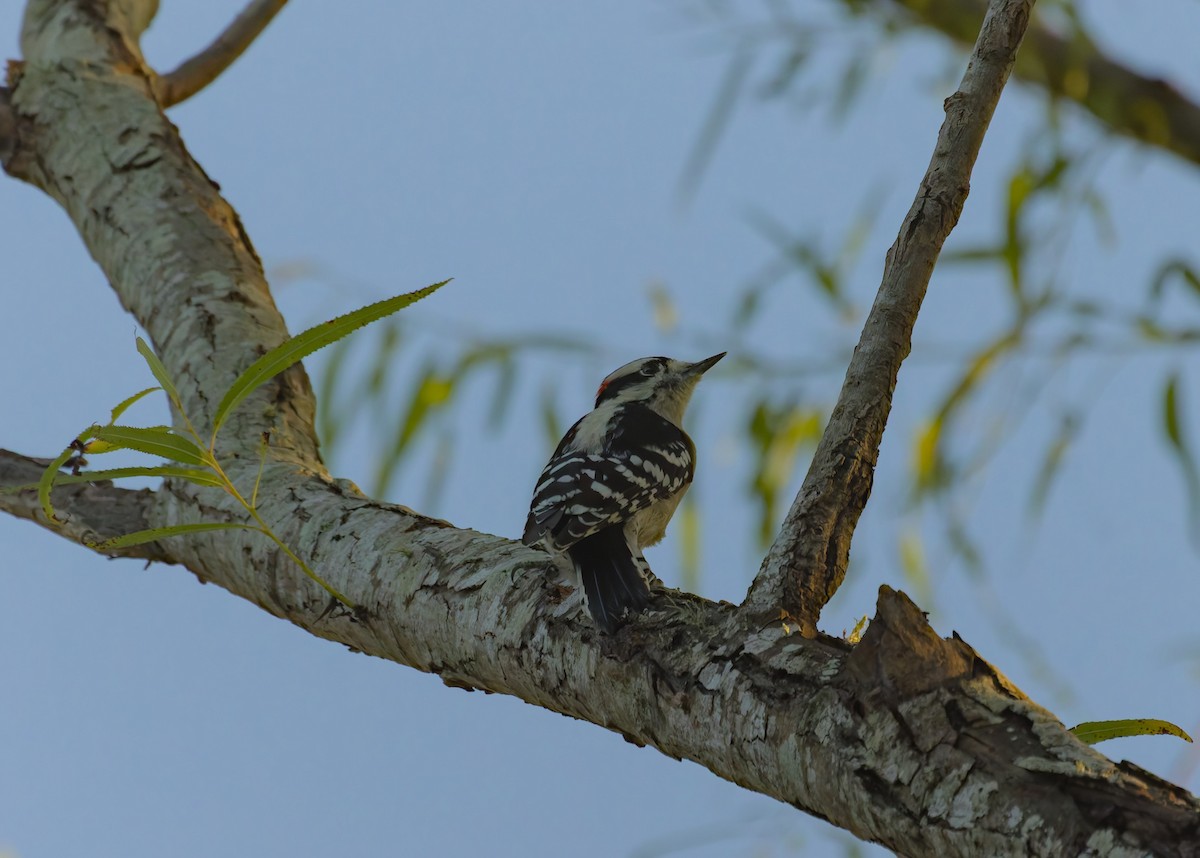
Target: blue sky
[[533, 152]]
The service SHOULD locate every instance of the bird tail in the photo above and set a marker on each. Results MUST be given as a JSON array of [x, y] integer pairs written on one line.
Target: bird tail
[[612, 581]]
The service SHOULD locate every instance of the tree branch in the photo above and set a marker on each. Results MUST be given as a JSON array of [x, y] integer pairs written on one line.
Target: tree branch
[[201, 70], [1147, 109], [807, 562], [908, 739], [90, 512], [8, 125]]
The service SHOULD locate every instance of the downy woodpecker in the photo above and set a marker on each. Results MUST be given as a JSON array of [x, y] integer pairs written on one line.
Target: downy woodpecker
[[613, 483]]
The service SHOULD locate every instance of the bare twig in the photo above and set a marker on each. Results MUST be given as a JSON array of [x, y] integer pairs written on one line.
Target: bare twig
[[807, 563], [201, 70]]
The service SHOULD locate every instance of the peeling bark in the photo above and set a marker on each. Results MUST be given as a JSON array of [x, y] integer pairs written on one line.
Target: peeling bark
[[908, 739]]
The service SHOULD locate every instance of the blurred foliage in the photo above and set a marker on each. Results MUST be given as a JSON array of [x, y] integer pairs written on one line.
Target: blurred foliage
[[781, 52], [773, 49]]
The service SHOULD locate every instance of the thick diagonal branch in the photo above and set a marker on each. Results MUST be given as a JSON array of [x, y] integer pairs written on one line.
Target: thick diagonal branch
[[807, 563], [201, 70]]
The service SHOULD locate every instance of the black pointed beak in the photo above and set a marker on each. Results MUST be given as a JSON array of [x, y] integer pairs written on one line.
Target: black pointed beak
[[702, 366]]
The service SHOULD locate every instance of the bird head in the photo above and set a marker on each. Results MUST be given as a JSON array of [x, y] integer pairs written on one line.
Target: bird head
[[662, 384]]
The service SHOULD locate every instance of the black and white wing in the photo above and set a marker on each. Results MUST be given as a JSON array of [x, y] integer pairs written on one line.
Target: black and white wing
[[580, 493]]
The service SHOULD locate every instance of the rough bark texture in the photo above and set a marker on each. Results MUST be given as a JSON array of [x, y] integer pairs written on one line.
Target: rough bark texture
[[907, 739], [808, 561], [89, 512]]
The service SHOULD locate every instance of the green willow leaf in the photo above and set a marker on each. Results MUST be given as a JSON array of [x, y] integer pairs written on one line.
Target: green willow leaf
[[552, 427], [46, 483], [430, 394], [689, 541], [502, 393], [192, 475], [1171, 412], [1101, 731], [915, 566], [303, 344], [155, 441], [1056, 453], [141, 537], [1175, 269], [1173, 429], [160, 372], [125, 404]]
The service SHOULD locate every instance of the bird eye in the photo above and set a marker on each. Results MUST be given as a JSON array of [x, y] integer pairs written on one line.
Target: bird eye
[[649, 370]]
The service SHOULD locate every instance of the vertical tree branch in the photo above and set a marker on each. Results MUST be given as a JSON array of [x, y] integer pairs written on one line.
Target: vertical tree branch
[[807, 563]]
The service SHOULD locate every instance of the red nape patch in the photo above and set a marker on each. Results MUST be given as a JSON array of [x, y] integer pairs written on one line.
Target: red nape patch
[[603, 387]]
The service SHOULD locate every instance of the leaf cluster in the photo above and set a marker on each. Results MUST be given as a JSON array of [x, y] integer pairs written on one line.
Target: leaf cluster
[[193, 458]]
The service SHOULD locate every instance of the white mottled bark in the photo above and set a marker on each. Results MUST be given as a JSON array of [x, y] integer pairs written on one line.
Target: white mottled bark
[[906, 738]]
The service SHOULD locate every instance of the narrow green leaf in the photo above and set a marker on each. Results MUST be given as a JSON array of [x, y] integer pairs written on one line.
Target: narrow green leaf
[[303, 344], [716, 121], [1068, 429], [439, 468], [933, 468], [196, 476], [552, 428], [430, 394], [502, 393], [124, 404], [1101, 731], [747, 306], [973, 254], [777, 434], [666, 314], [1151, 330], [154, 441], [689, 542], [94, 446], [915, 567], [141, 537], [962, 545], [928, 465], [853, 76], [1171, 270], [1172, 427], [332, 415], [1171, 412], [160, 373], [46, 483], [384, 359], [1020, 187]]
